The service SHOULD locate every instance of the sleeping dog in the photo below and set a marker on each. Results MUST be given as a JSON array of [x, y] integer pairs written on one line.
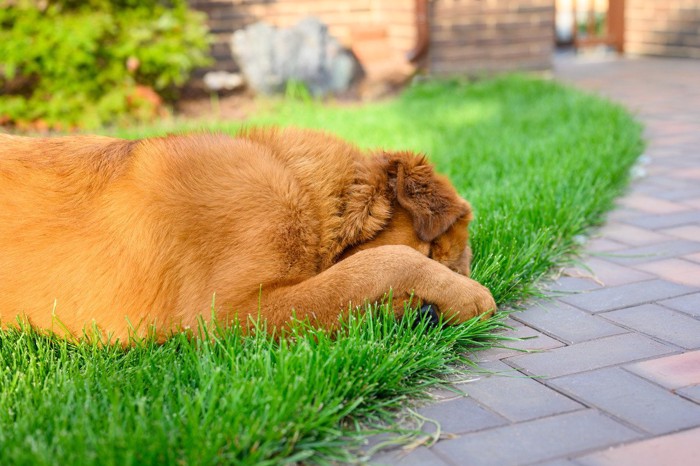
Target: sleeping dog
[[127, 235]]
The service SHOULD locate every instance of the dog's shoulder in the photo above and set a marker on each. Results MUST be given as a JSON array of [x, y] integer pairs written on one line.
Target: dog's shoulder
[[316, 156]]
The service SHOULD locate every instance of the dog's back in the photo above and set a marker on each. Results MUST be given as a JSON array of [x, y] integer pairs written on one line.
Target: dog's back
[[106, 229], [134, 233], [54, 251]]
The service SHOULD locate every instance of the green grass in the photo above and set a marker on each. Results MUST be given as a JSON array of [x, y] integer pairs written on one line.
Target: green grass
[[540, 164]]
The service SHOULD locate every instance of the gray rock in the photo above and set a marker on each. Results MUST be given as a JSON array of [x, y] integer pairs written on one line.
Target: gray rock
[[270, 57]]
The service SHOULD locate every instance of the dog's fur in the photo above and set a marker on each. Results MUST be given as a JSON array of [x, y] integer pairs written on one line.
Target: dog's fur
[[126, 234]]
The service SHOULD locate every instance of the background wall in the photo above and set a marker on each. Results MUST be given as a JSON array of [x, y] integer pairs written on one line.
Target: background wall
[[663, 28], [472, 36], [467, 36], [380, 32]]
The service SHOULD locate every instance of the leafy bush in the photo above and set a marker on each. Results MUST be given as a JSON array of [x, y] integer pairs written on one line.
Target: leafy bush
[[71, 63]]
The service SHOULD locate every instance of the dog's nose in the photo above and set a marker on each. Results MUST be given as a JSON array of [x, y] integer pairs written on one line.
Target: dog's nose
[[429, 312]]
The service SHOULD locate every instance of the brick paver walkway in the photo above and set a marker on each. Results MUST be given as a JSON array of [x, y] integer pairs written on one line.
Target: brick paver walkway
[[619, 382]]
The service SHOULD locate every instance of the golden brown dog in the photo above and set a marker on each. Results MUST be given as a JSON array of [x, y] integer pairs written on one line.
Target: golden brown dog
[[128, 234]]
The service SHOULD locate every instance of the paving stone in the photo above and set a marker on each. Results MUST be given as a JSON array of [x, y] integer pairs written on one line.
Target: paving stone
[[515, 396], [670, 112], [538, 440], [444, 394], [622, 213], [688, 304], [694, 203], [566, 323], [659, 322], [650, 188], [604, 245], [692, 393], [675, 270], [693, 257], [679, 449], [673, 161], [589, 355], [680, 138], [631, 399], [664, 152], [557, 462], [609, 273], [534, 341], [689, 232], [631, 235], [691, 173], [388, 441], [572, 284], [447, 390], [458, 416], [421, 456], [651, 204], [655, 252], [657, 222], [618, 297], [677, 371], [681, 195], [678, 161]]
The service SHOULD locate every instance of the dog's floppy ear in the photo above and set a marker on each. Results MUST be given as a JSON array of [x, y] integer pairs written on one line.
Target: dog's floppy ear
[[430, 198]]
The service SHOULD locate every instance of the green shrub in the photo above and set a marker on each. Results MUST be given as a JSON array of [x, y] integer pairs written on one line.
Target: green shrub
[[70, 63]]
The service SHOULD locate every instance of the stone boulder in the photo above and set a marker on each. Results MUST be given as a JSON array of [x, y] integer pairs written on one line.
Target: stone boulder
[[270, 57]]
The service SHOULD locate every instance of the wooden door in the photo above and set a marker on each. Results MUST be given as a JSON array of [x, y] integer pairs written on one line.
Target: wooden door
[[594, 22]]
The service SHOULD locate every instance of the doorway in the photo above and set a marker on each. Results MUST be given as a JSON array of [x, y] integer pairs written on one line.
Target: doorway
[[584, 24]]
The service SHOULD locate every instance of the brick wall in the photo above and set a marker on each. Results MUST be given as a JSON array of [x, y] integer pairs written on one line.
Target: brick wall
[[467, 36], [663, 27], [378, 31], [476, 36]]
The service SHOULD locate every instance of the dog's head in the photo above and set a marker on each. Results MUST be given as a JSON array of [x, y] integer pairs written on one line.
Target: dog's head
[[416, 207]]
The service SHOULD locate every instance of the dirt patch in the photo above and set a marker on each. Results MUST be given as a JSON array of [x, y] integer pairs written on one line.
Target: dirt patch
[[196, 102], [233, 106]]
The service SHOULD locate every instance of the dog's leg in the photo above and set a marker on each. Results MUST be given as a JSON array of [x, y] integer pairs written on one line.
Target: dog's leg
[[369, 275]]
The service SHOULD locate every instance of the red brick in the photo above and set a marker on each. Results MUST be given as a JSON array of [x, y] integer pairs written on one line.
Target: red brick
[[656, 28], [691, 173], [652, 204], [689, 232], [368, 32], [680, 370], [631, 235], [372, 51], [675, 270], [473, 36], [682, 448]]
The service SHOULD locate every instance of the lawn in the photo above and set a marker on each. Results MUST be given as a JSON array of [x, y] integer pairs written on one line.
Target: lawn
[[540, 164]]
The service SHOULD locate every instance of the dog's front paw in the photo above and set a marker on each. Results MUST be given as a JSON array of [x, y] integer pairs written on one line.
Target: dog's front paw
[[468, 300], [484, 303]]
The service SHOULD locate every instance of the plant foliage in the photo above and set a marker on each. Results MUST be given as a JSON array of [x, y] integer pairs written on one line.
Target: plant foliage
[[70, 63]]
